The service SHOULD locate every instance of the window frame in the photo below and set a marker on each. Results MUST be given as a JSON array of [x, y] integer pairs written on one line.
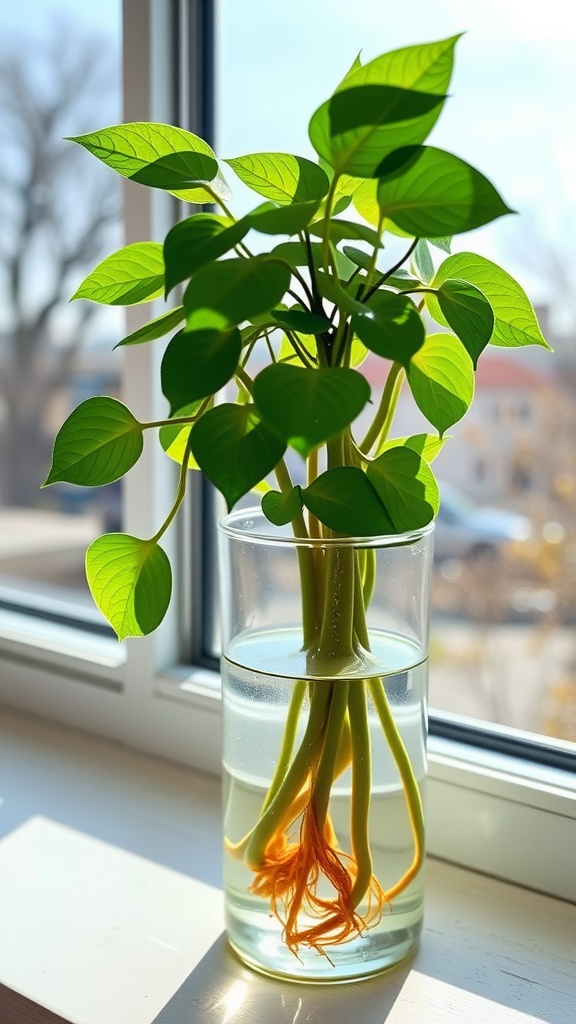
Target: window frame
[[504, 815]]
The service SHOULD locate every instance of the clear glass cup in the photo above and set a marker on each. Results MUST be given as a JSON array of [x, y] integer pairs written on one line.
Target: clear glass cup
[[324, 675]]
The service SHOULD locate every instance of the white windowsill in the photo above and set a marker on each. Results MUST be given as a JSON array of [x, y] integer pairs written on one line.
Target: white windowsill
[[109, 883]]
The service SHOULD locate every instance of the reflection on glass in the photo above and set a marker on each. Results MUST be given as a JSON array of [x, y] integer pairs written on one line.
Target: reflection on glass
[[503, 646], [59, 75]]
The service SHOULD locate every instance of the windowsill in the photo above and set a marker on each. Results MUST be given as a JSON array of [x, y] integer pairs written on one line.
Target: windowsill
[[142, 941]]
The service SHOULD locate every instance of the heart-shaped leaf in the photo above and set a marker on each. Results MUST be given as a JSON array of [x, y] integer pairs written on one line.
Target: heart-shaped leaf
[[281, 507], [392, 328], [306, 407], [133, 274], [358, 256], [332, 289], [198, 363], [156, 328], [427, 192], [406, 486], [173, 437], [281, 177], [283, 220], [468, 313], [427, 445], [355, 129], [235, 289], [157, 155], [235, 449], [345, 500], [342, 230], [300, 320], [98, 443], [296, 254], [198, 240], [515, 322], [441, 378], [131, 582], [426, 67]]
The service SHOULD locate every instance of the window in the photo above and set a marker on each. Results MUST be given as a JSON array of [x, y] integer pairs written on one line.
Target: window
[[491, 805]]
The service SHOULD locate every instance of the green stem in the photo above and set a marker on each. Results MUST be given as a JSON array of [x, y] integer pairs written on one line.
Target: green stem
[[327, 217], [361, 788], [385, 412], [322, 786], [392, 270], [181, 491], [409, 783], [278, 809], [288, 739]]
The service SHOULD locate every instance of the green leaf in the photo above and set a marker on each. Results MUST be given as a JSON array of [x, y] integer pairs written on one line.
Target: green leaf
[[196, 241], [133, 274], [426, 67], [392, 328], [365, 201], [332, 289], [283, 220], [341, 230], [235, 290], [98, 443], [406, 486], [301, 320], [156, 328], [444, 244], [306, 407], [157, 155], [356, 128], [468, 313], [174, 436], [358, 256], [296, 255], [281, 177], [345, 500], [427, 192], [515, 322], [423, 261], [131, 582], [426, 445], [217, 187], [441, 379], [198, 363], [280, 507], [286, 353], [235, 449]]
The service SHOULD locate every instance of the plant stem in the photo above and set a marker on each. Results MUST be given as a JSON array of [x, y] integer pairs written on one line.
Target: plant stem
[[361, 788], [409, 784], [288, 738], [277, 816], [385, 412], [181, 491]]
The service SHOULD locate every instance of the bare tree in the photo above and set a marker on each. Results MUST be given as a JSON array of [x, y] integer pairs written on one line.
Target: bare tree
[[58, 214]]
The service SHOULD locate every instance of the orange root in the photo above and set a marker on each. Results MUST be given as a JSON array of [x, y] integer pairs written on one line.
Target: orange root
[[290, 875]]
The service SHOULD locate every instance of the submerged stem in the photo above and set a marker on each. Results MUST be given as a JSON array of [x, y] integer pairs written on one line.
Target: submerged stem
[[409, 784]]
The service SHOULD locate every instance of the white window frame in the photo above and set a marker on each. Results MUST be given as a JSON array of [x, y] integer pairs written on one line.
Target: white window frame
[[502, 815]]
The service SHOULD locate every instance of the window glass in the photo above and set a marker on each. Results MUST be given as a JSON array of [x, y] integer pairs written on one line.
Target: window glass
[[503, 648], [59, 76]]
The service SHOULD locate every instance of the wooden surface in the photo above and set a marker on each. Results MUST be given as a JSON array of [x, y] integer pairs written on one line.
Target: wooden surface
[[16, 1009], [101, 936]]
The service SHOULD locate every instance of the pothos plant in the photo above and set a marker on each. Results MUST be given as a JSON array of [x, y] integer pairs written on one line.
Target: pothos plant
[[323, 297]]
